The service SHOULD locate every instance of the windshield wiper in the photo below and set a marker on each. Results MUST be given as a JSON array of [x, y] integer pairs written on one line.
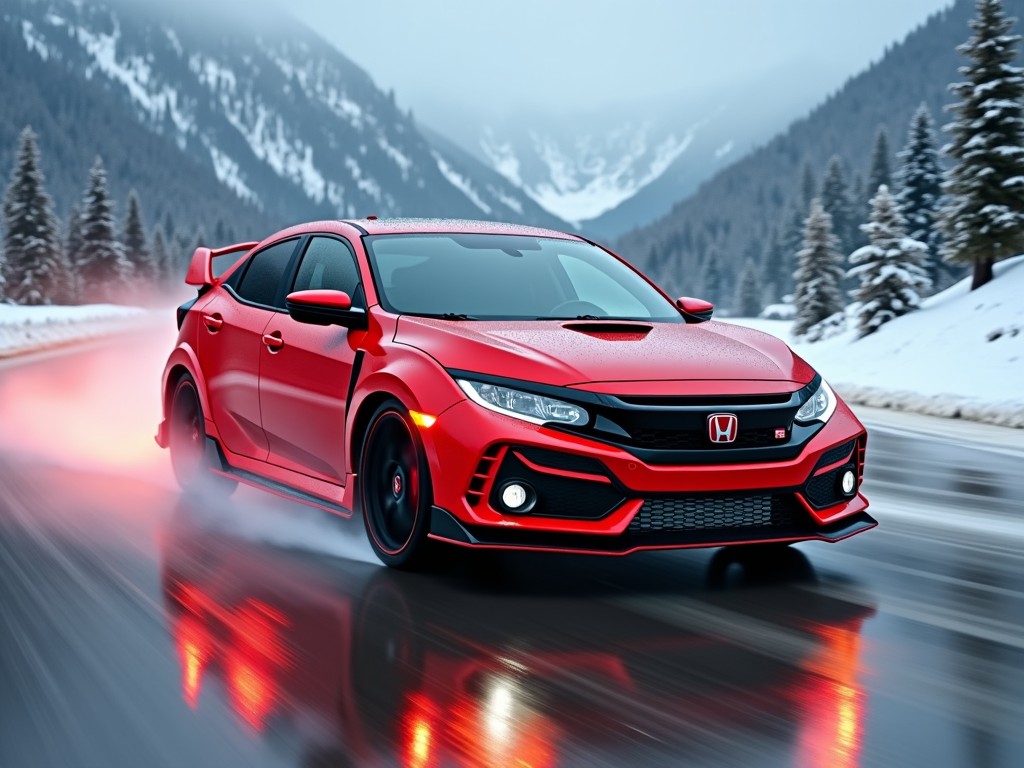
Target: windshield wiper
[[455, 316]]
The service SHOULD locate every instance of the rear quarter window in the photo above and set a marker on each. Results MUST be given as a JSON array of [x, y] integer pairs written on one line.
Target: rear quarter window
[[262, 277]]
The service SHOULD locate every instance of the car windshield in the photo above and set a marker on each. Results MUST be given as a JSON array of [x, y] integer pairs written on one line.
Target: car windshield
[[509, 277]]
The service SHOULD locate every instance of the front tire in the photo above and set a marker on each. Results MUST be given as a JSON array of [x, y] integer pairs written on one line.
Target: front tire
[[395, 492]]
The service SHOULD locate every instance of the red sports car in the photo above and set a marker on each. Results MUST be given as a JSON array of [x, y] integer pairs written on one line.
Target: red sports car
[[488, 385]]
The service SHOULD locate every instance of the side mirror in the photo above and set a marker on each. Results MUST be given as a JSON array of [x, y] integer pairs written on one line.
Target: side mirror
[[325, 308], [695, 310]]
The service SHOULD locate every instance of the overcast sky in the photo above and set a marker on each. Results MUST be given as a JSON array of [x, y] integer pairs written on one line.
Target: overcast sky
[[568, 55]]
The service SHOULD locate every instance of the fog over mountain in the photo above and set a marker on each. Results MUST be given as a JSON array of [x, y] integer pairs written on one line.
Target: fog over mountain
[[608, 113]]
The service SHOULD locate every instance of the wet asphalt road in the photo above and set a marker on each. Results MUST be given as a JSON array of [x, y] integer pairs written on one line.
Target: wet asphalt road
[[138, 628]]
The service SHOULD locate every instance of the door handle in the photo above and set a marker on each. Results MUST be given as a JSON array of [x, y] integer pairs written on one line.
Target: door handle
[[213, 322], [273, 341]]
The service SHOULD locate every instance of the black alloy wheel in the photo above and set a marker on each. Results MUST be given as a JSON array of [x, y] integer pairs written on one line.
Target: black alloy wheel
[[394, 488]]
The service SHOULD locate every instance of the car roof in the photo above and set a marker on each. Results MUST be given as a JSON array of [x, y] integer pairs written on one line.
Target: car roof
[[397, 226]]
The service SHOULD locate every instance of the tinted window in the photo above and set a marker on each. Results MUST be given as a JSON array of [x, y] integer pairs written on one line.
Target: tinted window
[[327, 265], [509, 277], [262, 279]]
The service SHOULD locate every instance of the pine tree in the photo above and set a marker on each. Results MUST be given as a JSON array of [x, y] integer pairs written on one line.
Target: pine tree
[[792, 239], [881, 163], [3, 271], [773, 266], [891, 270], [161, 256], [808, 185], [712, 278], [835, 199], [819, 274], [136, 248], [101, 267], [920, 186], [749, 292], [72, 247], [35, 269], [983, 216]]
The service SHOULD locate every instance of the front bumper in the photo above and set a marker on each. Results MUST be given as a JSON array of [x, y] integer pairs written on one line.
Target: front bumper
[[596, 497]]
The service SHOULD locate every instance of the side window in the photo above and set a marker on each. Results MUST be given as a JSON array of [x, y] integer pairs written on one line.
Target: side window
[[328, 264], [262, 280], [593, 285]]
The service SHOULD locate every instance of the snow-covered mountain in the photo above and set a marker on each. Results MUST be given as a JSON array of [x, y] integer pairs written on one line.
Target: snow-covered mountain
[[616, 170], [581, 176], [284, 121]]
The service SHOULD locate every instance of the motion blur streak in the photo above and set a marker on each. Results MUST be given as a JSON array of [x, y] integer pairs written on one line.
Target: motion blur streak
[[139, 627]]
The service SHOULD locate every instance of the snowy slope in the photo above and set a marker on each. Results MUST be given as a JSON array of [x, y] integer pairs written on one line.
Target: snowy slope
[[960, 355], [281, 117], [30, 328]]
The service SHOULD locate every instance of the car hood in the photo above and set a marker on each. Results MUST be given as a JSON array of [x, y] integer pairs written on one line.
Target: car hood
[[584, 353]]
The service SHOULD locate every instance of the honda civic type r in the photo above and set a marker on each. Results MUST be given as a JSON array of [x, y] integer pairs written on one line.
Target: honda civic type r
[[498, 386]]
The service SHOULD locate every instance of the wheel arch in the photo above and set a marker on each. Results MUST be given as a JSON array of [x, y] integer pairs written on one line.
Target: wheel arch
[[183, 361]]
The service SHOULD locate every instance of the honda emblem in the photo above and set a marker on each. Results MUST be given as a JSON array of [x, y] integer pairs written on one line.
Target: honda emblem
[[723, 427]]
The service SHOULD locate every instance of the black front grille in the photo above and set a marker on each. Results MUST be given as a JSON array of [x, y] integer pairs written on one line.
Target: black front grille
[[558, 496], [709, 513]]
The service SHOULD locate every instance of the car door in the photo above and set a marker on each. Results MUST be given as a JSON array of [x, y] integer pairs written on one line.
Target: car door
[[304, 377], [230, 346]]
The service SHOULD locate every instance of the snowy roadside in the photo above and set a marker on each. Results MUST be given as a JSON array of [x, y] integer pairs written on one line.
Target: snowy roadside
[[28, 329], [960, 356]]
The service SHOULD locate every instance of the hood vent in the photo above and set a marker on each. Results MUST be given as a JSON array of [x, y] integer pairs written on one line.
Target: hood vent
[[611, 331]]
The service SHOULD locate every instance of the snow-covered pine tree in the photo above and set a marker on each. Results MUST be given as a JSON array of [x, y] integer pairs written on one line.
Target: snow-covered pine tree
[[101, 268], [835, 199], [136, 249], [749, 291], [72, 247], [712, 278], [920, 187], [819, 274], [161, 256], [807, 184], [773, 265], [791, 235], [891, 269], [35, 266], [3, 272], [881, 163], [983, 215]]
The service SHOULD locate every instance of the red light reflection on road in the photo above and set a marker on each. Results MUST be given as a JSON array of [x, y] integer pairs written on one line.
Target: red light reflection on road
[[254, 657], [833, 702]]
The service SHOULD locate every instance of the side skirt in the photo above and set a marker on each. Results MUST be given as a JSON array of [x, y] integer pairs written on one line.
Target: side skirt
[[219, 466]]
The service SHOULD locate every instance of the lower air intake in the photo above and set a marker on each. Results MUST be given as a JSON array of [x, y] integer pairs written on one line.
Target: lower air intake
[[708, 513]]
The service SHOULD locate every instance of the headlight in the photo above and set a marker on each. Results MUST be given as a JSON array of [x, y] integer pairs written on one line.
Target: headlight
[[820, 407], [535, 409]]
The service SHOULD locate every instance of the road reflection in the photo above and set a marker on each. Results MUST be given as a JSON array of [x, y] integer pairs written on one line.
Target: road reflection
[[358, 664]]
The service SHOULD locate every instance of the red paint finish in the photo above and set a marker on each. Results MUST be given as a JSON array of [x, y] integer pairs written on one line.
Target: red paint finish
[[230, 339], [287, 401]]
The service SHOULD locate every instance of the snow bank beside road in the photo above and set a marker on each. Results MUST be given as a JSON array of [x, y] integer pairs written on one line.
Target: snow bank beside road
[[24, 329], [961, 355]]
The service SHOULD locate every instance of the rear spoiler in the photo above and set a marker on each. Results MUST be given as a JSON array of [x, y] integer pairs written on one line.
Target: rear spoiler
[[200, 269]]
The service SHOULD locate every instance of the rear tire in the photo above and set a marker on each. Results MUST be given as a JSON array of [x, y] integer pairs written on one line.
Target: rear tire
[[395, 491], [187, 441]]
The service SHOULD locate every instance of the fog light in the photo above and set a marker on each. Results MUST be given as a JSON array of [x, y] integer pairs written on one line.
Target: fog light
[[517, 496], [513, 496], [848, 483]]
